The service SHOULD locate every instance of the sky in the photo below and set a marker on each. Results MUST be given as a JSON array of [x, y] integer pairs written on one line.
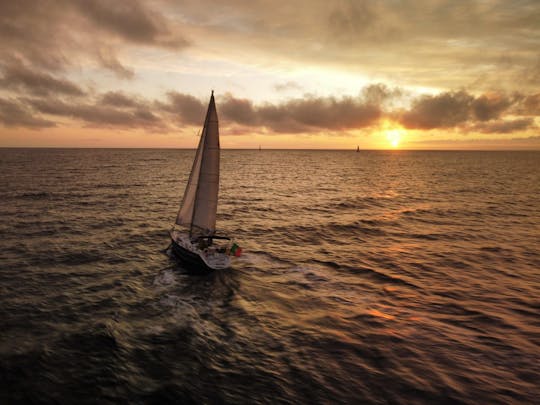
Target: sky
[[315, 74]]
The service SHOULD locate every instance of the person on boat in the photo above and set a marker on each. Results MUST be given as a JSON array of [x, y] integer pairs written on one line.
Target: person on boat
[[202, 244], [205, 242]]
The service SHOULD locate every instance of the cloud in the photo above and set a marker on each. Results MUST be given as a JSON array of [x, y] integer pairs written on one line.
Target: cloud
[[20, 78], [529, 139], [184, 108], [528, 105], [459, 110], [531, 72], [99, 115], [381, 94], [462, 110], [121, 110], [488, 49], [437, 44], [239, 110], [504, 126], [54, 34], [131, 20], [120, 99], [490, 106], [444, 110], [362, 20], [108, 60], [289, 85], [14, 114], [32, 31], [308, 114], [302, 114]]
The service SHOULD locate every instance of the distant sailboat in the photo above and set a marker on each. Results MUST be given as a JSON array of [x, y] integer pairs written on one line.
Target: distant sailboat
[[358, 148], [194, 243]]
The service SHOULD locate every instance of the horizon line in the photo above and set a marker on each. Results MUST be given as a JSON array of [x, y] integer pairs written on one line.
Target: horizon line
[[281, 149]]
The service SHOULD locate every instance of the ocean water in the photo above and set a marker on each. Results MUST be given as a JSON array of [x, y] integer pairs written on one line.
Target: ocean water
[[372, 277]]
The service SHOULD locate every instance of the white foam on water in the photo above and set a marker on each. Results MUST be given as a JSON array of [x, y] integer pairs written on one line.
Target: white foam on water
[[165, 278]]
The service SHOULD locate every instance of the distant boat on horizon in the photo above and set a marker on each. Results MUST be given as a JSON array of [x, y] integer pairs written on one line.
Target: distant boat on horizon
[[194, 243], [358, 148]]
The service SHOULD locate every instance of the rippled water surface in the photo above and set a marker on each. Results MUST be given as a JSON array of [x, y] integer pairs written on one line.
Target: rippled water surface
[[372, 277]]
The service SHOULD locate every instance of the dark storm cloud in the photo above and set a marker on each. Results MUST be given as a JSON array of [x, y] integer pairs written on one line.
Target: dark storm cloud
[[15, 114], [21, 78]]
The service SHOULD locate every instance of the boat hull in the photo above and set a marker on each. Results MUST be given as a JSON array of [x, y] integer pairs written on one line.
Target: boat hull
[[197, 259], [190, 259]]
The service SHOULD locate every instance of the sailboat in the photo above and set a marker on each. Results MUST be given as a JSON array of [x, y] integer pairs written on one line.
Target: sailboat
[[193, 234], [358, 148]]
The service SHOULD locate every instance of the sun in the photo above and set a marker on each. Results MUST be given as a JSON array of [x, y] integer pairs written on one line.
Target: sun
[[394, 136], [390, 135]]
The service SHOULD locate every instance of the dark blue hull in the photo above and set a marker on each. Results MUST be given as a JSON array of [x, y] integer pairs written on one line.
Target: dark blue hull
[[190, 259]]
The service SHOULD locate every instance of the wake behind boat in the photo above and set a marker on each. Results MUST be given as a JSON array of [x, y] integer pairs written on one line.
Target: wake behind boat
[[195, 241]]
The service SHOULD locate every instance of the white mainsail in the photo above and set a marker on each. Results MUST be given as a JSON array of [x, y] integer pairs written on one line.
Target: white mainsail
[[199, 205]]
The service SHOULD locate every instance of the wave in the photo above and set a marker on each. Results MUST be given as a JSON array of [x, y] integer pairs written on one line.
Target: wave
[[365, 271], [36, 195], [381, 285]]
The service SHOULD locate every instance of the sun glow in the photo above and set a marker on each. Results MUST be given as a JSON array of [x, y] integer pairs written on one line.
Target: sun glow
[[393, 133]]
